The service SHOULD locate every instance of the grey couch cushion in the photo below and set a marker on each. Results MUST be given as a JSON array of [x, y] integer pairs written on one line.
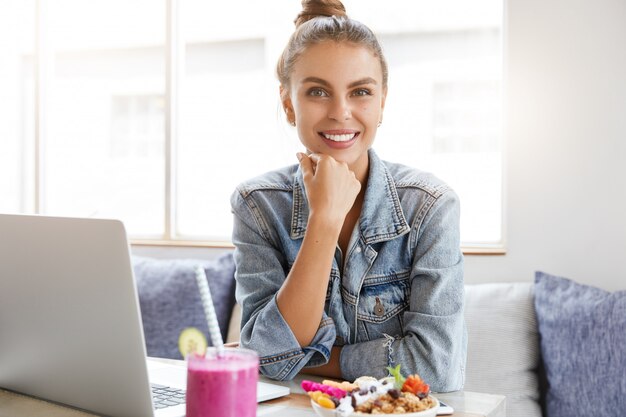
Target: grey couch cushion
[[583, 344], [170, 301], [503, 346]]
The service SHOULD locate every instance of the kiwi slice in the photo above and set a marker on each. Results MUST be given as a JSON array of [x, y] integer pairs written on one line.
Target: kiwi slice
[[192, 340]]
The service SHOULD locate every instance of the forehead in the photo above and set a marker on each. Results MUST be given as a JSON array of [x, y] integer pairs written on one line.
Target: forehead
[[337, 62]]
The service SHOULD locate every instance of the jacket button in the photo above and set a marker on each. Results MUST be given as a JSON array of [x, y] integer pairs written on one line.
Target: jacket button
[[379, 309]]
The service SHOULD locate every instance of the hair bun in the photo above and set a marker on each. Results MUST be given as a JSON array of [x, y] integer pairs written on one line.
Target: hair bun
[[315, 8]]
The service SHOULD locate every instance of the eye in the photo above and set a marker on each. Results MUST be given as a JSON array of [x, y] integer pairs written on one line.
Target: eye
[[317, 92], [362, 92]]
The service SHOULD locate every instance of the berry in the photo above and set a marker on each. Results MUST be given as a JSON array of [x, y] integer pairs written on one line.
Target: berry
[[394, 393]]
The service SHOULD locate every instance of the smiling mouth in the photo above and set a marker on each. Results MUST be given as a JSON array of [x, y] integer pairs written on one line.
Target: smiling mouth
[[340, 138]]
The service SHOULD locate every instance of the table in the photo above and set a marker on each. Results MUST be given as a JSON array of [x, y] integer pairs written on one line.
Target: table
[[296, 404]]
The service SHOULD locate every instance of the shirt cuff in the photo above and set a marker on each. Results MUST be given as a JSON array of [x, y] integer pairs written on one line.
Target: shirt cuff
[[353, 364], [280, 354]]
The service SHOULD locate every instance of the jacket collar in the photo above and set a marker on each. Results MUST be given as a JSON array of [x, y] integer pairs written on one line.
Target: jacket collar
[[381, 217]]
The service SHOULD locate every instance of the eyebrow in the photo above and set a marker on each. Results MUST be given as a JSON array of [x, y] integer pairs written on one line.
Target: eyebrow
[[362, 81]]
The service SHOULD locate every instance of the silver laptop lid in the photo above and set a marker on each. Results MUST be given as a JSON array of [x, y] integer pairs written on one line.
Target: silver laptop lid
[[70, 326]]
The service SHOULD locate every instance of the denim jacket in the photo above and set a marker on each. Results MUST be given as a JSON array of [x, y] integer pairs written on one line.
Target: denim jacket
[[397, 300]]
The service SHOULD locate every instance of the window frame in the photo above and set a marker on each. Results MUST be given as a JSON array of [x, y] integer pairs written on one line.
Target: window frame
[[174, 64]]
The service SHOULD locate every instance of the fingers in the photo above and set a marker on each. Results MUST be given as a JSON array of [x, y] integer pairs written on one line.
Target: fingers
[[319, 159], [313, 160], [316, 158], [331, 187], [305, 164], [310, 162]]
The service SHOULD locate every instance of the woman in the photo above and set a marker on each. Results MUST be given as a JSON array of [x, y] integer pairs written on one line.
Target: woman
[[347, 264]]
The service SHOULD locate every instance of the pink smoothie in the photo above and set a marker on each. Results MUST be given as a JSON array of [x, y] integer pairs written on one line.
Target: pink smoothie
[[225, 386]]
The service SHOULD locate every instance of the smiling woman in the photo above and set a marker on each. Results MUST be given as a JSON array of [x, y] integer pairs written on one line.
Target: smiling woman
[[343, 256]]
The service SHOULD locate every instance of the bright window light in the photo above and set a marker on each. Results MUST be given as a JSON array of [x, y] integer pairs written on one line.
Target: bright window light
[[88, 110]]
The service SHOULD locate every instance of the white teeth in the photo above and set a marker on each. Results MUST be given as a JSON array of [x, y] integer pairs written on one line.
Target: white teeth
[[340, 138]]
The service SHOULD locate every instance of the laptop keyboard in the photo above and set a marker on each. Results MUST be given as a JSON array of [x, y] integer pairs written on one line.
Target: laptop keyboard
[[163, 396]]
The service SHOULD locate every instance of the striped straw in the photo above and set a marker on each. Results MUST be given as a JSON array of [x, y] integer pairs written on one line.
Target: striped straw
[[209, 311]]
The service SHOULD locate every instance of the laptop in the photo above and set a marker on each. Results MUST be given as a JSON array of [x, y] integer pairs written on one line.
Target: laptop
[[70, 324]]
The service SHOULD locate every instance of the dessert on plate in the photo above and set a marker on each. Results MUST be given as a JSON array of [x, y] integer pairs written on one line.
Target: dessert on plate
[[395, 394]]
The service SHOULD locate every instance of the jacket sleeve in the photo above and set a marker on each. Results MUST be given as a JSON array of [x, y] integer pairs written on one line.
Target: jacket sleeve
[[261, 269], [434, 340]]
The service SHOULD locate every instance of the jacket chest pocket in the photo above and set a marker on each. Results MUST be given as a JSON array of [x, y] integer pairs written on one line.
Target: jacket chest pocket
[[381, 302]]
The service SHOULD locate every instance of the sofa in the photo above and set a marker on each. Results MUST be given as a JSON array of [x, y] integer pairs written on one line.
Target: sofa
[[553, 347]]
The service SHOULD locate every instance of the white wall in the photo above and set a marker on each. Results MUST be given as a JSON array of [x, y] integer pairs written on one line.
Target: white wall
[[565, 166]]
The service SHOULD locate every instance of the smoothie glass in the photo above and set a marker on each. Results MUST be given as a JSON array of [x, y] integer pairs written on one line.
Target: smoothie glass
[[222, 386]]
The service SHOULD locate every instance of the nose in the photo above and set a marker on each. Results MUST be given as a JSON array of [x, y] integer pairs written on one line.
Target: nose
[[340, 109]]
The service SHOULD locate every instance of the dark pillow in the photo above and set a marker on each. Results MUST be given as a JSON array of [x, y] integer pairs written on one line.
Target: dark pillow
[[170, 300], [583, 344]]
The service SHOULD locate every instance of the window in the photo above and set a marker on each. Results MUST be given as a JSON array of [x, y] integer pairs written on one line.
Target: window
[[17, 23], [152, 112]]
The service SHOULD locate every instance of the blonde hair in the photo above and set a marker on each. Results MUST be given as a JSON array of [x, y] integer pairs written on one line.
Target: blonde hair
[[320, 21]]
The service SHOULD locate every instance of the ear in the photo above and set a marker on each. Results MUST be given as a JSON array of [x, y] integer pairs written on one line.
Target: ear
[[287, 104], [284, 96]]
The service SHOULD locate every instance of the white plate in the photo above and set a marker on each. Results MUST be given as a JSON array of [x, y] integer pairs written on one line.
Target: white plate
[[327, 412]]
